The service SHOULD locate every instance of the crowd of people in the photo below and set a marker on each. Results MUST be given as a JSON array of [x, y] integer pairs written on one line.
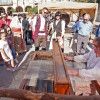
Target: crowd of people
[[16, 32]]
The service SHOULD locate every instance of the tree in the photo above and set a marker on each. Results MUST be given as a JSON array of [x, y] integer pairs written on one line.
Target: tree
[[13, 10], [89, 1], [33, 10]]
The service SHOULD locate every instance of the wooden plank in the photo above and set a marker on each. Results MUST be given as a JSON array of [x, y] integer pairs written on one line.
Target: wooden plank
[[61, 78], [33, 56], [39, 70], [22, 85], [96, 85], [44, 53]]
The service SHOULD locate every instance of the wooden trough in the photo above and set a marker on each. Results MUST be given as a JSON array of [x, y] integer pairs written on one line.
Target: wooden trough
[[47, 73]]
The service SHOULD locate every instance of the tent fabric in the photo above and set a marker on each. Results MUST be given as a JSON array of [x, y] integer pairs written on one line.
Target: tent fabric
[[72, 7], [67, 5]]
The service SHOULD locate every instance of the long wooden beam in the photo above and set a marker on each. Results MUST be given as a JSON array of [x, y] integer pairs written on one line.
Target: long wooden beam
[[28, 95], [61, 77]]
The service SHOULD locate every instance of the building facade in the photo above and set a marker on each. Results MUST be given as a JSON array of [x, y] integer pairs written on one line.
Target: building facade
[[22, 5]]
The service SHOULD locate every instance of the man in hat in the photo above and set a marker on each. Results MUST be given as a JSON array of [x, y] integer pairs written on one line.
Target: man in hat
[[58, 27]]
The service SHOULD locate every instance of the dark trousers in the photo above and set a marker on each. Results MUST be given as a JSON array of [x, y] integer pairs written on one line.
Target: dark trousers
[[26, 36], [82, 42]]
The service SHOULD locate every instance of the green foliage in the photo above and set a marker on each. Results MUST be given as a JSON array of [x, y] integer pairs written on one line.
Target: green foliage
[[13, 10], [89, 1], [33, 10]]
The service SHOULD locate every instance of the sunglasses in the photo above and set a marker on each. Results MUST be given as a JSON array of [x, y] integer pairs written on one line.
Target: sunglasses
[[45, 13], [85, 19], [8, 30]]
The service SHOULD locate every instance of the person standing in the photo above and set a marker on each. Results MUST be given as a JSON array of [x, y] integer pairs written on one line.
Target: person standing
[[16, 26], [25, 25], [58, 27], [40, 29], [84, 29], [74, 38], [6, 52]]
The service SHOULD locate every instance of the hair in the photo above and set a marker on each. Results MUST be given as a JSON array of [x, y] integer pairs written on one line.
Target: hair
[[24, 16], [9, 13], [2, 32], [87, 15], [83, 14], [45, 8], [5, 28], [97, 39]]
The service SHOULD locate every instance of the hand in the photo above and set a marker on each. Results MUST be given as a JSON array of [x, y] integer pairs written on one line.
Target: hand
[[6, 58], [69, 58]]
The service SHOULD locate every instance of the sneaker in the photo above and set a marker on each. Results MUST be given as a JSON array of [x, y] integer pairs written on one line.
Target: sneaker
[[16, 67], [16, 61], [11, 69]]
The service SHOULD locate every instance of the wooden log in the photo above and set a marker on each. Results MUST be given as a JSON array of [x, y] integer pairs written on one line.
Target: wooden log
[[24, 94]]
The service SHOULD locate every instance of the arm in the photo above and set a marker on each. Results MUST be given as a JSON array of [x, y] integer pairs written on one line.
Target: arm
[[3, 52], [34, 23], [69, 58], [63, 27]]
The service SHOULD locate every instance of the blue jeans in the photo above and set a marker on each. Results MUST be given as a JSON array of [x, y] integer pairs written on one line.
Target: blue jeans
[[13, 53]]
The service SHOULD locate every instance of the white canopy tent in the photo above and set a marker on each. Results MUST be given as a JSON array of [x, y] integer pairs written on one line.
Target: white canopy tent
[[71, 7]]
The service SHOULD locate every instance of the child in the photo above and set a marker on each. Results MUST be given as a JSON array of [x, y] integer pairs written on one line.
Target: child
[[6, 52], [10, 39], [60, 40]]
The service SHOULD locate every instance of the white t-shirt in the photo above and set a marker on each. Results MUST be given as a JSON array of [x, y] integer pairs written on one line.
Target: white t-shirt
[[4, 45]]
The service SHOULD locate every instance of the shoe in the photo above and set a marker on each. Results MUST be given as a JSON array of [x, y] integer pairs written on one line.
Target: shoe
[[1, 64], [16, 67], [11, 69], [16, 60], [28, 43]]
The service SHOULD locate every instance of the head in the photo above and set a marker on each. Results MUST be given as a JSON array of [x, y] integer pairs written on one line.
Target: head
[[24, 16], [86, 18], [44, 11], [9, 13], [96, 46], [7, 29], [19, 16], [4, 16], [58, 15], [3, 35]]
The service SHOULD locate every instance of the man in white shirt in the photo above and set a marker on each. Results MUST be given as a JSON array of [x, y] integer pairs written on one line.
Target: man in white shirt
[[40, 29], [92, 72]]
